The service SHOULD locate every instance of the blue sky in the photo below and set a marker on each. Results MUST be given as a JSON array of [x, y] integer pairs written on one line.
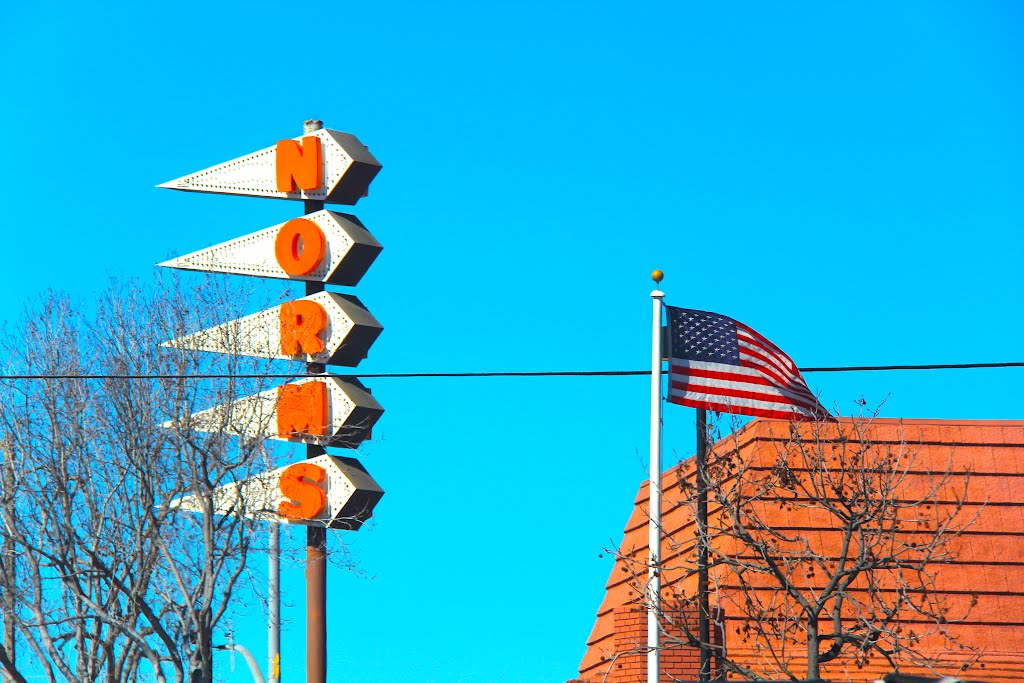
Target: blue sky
[[845, 178]]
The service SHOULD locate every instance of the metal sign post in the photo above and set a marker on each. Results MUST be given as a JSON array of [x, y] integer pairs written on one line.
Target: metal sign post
[[316, 537], [321, 166]]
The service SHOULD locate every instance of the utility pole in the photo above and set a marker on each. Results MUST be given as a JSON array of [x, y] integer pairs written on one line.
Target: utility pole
[[7, 562], [8, 549]]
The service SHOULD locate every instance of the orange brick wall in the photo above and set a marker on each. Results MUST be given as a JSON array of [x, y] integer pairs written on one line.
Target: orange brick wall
[[678, 661], [989, 567], [628, 662]]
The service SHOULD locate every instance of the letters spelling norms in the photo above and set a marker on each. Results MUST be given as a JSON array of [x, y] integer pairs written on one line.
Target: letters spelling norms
[[325, 246]]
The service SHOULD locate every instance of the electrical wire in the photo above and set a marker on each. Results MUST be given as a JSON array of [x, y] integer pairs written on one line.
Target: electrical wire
[[537, 373], [883, 368]]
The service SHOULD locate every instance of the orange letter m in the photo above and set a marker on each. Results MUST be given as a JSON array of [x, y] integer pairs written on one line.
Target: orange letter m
[[302, 409]]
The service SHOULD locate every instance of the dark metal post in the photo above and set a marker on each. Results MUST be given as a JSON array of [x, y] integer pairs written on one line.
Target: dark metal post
[[316, 556], [703, 607], [316, 604], [316, 536]]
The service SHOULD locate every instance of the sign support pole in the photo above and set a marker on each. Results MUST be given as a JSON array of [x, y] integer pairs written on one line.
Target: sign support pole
[[316, 536]]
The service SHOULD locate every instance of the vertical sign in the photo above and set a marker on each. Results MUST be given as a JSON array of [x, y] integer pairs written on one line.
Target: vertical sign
[[322, 328]]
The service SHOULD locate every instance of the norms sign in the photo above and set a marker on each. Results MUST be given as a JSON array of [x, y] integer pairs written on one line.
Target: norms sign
[[328, 328], [325, 165], [324, 246], [325, 411], [325, 490], [325, 327]]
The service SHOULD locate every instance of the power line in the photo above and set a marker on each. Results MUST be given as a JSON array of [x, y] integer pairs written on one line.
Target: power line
[[536, 373], [882, 368]]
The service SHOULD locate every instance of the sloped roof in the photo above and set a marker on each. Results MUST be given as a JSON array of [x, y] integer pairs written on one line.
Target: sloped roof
[[989, 564]]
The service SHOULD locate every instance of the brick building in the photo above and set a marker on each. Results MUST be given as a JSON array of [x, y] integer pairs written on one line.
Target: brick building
[[985, 578]]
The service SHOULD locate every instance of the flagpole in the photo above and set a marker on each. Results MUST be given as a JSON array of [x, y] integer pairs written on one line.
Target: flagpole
[[654, 508]]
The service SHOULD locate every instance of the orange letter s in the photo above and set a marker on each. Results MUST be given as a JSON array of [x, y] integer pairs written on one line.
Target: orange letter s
[[310, 498]]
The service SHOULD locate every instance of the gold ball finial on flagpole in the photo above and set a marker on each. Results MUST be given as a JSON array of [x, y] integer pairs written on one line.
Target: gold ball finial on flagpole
[[658, 276]]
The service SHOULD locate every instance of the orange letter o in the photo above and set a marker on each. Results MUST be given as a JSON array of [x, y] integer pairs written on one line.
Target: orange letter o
[[286, 247]]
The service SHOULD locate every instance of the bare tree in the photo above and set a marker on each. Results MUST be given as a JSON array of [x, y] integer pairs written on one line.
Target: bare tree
[[825, 547], [103, 577]]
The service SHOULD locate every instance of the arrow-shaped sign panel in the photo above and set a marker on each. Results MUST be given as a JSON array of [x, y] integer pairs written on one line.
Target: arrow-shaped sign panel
[[325, 328], [324, 246], [319, 410], [325, 165], [325, 491]]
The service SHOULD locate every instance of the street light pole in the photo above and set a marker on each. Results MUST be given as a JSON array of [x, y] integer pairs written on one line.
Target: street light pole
[[274, 604]]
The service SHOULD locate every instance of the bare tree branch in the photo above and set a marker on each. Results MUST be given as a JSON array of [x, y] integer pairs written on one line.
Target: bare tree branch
[[825, 547]]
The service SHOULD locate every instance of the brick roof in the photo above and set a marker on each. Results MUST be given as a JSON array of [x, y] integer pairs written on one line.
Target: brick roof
[[989, 564]]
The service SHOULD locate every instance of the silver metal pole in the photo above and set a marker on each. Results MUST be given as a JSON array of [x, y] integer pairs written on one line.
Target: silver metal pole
[[274, 605], [254, 668], [654, 525]]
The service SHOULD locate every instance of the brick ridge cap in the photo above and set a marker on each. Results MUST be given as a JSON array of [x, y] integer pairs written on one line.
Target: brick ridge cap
[[750, 433]]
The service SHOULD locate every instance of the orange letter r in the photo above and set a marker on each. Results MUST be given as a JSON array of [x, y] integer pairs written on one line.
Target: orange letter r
[[302, 322]]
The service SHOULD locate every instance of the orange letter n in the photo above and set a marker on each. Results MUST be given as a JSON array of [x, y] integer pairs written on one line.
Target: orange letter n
[[302, 409], [299, 165], [302, 322]]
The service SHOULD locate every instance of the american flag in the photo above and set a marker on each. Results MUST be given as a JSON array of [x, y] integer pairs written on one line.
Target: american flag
[[718, 363]]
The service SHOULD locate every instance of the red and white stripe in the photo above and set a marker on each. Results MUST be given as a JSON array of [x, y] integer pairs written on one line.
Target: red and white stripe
[[767, 383]]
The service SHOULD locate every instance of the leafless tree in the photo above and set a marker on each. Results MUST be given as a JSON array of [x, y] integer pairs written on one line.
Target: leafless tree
[[825, 545], [103, 577]]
